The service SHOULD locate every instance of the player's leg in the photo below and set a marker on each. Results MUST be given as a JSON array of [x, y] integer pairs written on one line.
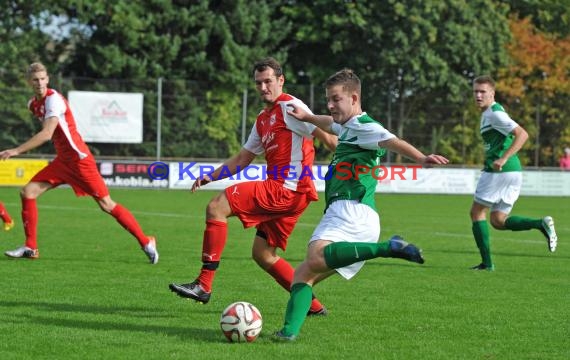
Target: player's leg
[[521, 223], [312, 270], [480, 229], [127, 220], [510, 185], [489, 191], [28, 195], [213, 244], [280, 269], [6, 218], [354, 229]]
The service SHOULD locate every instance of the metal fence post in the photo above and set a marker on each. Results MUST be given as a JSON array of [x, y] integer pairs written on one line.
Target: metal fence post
[[158, 118]]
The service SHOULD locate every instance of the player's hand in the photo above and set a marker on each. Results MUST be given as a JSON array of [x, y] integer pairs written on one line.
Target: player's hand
[[297, 112], [6, 154], [202, 181], [498, 164], [434, 159]]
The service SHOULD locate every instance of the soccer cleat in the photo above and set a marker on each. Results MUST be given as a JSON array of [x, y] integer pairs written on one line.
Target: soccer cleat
[[483, 267], [23, 252], [549, 233], [321, 312], [279, 336], [9, 225], [150, 250], [192, 290], [403, 250]]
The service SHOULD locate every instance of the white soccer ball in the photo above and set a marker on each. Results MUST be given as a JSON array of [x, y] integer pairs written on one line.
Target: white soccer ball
[[241, 322]]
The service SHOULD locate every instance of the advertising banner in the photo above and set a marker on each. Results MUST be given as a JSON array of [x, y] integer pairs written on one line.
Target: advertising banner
[[135, 175], [108, 117], [17, 172]]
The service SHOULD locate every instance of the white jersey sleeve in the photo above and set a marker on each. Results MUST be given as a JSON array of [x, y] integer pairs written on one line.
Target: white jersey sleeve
[[336, 128], [297, 126], [253, 142], [370, 134], [55, 106], [502, 122]]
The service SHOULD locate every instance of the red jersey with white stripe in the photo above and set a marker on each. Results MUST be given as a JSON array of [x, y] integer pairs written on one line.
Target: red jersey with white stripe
[[287, 144], [68, 144]]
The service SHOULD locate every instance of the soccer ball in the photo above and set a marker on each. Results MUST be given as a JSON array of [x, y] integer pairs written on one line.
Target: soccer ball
[[241, 322]]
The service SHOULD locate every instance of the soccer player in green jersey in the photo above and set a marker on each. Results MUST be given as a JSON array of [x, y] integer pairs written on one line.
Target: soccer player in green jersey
[[500, 183], [348, 233]]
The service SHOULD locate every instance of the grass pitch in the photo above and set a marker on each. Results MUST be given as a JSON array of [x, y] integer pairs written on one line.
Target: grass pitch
[[93, 295]]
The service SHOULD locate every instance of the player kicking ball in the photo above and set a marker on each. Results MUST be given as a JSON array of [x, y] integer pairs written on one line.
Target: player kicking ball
[[348, 233]]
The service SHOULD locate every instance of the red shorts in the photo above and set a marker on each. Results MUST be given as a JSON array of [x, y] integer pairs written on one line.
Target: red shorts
[[269, 207], [82, 176]]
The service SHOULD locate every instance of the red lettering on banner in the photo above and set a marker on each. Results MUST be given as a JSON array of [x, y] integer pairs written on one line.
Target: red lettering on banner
[[131, 168]]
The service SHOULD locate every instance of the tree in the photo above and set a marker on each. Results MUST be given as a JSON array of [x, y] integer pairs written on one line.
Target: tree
[[22, 43], [415, 57], [536, 88], [209, 43]]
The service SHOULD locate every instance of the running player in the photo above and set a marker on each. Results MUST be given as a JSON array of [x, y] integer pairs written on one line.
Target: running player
[[74, 165]]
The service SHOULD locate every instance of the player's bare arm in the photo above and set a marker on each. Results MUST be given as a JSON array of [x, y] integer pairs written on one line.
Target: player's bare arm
[[238, 161], [521, 137], [330, 141], [404, 148], [322, 121], [44, 135]]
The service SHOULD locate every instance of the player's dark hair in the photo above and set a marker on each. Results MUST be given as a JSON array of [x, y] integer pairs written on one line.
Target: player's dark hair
[[485, 79], [269, 62], [347, 78]]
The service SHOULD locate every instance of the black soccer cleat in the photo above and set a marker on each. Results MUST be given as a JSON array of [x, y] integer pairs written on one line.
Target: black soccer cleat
[[192, 291], [279, 336], [483, 267], [321, 312], [403, 250]]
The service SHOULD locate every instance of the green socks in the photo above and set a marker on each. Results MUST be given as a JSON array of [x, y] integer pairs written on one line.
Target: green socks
[[297, 308], [481, 233], [519, 223], [341, 254]]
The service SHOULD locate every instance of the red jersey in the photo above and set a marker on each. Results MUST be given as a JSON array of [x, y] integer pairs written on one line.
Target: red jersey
[[68, 144], [287, 144]]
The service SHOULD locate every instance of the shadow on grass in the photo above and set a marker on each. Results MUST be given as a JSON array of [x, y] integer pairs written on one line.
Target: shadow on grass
[[97, 309], [137, 314], [543, 255], [184, 333]]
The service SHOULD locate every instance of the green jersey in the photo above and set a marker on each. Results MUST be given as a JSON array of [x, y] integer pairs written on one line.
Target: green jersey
[[496, 130], [350, 175]]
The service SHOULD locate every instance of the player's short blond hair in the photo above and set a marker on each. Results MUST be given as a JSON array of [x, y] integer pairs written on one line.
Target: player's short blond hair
[[34, 68], [347, 78]]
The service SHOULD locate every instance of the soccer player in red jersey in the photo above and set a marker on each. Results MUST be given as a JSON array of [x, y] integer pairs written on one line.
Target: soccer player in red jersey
[[6, 219], [74, 165], [273, 205]]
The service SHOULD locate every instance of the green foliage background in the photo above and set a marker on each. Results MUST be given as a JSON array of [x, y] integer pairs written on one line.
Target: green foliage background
[[416, 59]]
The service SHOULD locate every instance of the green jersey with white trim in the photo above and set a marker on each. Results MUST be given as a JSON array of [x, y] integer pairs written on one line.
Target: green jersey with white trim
[[496, 131], [350, 174]]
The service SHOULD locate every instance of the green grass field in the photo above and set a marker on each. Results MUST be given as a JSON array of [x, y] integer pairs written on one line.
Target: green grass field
[[92, 294]]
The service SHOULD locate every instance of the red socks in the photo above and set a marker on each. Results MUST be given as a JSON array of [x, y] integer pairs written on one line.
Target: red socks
[[213, 243], [4, 214], [128, 221], [30, 221]]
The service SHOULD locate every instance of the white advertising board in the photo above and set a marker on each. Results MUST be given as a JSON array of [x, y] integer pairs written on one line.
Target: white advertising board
[[108, 117]]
